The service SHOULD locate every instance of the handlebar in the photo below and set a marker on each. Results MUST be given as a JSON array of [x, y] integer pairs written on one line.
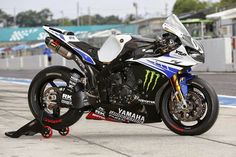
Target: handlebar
[[168, 42]]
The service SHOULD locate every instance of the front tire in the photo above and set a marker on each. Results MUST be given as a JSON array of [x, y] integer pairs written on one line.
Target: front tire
[[44, 80], [210, 105]]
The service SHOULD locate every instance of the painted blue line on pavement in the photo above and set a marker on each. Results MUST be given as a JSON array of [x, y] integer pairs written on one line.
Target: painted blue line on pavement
[[225, 100], [16, 80]]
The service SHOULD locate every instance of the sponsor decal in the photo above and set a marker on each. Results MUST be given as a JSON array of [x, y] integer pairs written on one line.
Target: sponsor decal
[[175, 62], [95, 116], [73, 81], [66, 99], [151, 76], [52, 121], [180, 53], [71, 37], [22, 34], [177, 128], [100, 111], [129, 116]]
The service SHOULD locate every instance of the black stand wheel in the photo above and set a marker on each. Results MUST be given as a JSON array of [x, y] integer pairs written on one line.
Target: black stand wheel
[[47, 132], [64, 132]]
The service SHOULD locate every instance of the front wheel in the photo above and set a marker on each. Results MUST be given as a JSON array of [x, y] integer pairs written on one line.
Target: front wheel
[[202, 111]]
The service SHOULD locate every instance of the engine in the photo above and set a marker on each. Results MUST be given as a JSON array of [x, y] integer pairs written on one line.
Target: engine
[[123, 88]]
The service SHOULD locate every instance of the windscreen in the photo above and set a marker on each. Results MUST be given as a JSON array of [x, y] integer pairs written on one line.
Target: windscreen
[[174, 25]]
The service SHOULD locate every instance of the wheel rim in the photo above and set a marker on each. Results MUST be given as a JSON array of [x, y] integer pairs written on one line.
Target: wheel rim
[[52, 88], [200, 118]]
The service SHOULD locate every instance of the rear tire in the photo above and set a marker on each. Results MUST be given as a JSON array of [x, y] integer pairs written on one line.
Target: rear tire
[[35, 101], [202, 125]]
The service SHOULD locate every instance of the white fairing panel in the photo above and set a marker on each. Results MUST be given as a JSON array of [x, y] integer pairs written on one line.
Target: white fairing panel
[[63, 37], [178, 57], [112, 47]]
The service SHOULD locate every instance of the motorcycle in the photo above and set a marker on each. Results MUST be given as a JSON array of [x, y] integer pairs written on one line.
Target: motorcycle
[[130, 79]]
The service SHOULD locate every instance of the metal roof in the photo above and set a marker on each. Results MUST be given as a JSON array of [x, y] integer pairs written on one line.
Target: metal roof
[[227, 14]]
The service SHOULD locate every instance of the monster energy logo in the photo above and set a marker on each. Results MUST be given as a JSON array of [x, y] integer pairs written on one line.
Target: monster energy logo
[[150, 75]]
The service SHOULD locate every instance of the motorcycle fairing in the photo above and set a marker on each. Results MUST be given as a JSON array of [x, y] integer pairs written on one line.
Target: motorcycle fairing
[[174, 26], [179, 57], [85, 56], [66, 38], [61, 34], [167, 69], [112, 47], [149, 80], [124, 114]]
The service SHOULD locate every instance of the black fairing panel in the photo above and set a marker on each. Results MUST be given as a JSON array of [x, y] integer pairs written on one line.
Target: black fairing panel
[[92, 51], [149, 81]]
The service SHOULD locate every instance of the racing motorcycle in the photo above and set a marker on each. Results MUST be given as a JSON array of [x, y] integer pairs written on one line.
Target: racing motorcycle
[[130, 79]]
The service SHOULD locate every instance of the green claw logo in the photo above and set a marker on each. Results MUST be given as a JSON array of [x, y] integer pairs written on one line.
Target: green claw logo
[[151, 75]]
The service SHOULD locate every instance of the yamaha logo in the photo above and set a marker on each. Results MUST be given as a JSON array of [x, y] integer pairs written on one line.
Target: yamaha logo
[[180, 53]]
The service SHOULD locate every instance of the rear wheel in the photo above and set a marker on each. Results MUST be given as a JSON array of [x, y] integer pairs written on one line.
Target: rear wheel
[[202, 111], [43, 95]]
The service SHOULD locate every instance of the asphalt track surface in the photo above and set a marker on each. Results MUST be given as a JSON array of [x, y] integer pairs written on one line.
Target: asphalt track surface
[[101, 138]]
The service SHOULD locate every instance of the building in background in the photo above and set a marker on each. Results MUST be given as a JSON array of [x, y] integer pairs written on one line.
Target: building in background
[[225, 22], [151, 27], [200, 28]]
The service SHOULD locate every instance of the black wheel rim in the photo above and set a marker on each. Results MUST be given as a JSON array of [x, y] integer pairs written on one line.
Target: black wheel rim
[[199, 122], [55, 82]]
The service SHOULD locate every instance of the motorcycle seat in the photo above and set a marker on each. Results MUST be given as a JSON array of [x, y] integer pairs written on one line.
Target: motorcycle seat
[[92, 51]]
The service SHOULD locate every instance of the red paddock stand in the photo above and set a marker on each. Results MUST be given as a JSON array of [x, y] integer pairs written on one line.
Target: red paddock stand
[[34, 127]]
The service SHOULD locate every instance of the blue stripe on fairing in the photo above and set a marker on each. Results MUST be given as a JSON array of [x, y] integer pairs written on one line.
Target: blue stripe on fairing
[[168, 74], [168, 55], [61, 36], [168, 71], [225, 100], [85, 56], [165, 67]]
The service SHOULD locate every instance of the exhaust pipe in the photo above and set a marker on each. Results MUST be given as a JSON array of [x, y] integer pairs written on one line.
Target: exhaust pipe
[[56, 47]]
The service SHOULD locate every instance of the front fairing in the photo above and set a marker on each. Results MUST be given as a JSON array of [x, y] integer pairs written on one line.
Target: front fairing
[[178, 57], [174, 26]]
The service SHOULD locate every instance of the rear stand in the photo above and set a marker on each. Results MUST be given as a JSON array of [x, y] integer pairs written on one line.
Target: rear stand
[[30, 129], [34, 127]]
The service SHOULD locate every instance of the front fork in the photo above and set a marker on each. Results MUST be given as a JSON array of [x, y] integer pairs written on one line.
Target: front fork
[[179, 93]]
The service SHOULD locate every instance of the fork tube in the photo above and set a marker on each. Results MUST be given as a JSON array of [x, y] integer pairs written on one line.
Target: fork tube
[[175, 84]]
